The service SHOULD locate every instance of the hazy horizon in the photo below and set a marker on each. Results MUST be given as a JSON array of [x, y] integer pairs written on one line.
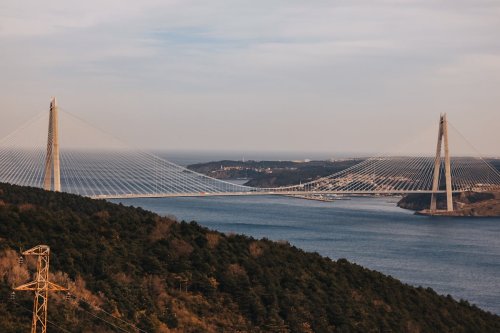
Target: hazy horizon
[[262, 76]]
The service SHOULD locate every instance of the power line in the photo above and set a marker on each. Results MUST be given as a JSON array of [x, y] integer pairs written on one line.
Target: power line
[[109, 314], [104, 320]]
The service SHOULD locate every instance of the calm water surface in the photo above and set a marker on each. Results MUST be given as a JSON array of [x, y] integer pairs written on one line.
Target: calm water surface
[[456, 256]]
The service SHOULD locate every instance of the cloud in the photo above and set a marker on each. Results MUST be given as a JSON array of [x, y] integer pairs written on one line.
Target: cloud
[[331, 60]]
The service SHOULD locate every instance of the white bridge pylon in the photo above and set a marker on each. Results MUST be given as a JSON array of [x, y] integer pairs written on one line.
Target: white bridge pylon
[[110, 169]]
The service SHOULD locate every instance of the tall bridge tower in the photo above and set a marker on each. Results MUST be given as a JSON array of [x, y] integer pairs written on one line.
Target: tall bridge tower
[[442, 134], [52, 161]]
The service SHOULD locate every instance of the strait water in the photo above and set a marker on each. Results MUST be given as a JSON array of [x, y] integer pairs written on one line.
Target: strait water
[[456, 256]]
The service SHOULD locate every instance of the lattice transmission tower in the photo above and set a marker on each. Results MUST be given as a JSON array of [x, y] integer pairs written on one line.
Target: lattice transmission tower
[[41, 286]]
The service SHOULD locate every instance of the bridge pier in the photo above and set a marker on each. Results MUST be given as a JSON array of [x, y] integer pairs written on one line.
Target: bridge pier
[[442, 136], [52, 160]]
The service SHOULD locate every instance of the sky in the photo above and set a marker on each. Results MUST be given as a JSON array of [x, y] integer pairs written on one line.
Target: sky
[[261, 75]]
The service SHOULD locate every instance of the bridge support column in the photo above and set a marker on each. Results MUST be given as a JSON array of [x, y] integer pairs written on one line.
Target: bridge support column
[[442, 134], [52, 161]]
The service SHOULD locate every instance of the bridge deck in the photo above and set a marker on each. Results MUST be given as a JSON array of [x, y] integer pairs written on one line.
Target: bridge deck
[[257, 193]]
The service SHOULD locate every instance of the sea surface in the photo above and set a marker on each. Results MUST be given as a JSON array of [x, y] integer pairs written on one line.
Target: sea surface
[[456, 256]]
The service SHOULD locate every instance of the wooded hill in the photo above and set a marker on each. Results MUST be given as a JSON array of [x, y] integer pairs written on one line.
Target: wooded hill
[[166, 276]]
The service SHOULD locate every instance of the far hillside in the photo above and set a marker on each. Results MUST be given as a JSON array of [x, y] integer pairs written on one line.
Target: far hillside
[[281, 173], [273, 173]]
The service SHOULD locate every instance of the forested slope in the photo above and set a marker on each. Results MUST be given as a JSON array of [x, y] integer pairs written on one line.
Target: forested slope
[[165, 276]]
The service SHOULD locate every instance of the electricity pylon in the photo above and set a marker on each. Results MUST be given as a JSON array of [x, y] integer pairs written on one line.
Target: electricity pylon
[[41, 286], [52, 161]]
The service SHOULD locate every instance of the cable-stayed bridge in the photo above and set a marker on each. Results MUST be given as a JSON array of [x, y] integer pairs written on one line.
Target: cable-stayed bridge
[[101, 166]]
